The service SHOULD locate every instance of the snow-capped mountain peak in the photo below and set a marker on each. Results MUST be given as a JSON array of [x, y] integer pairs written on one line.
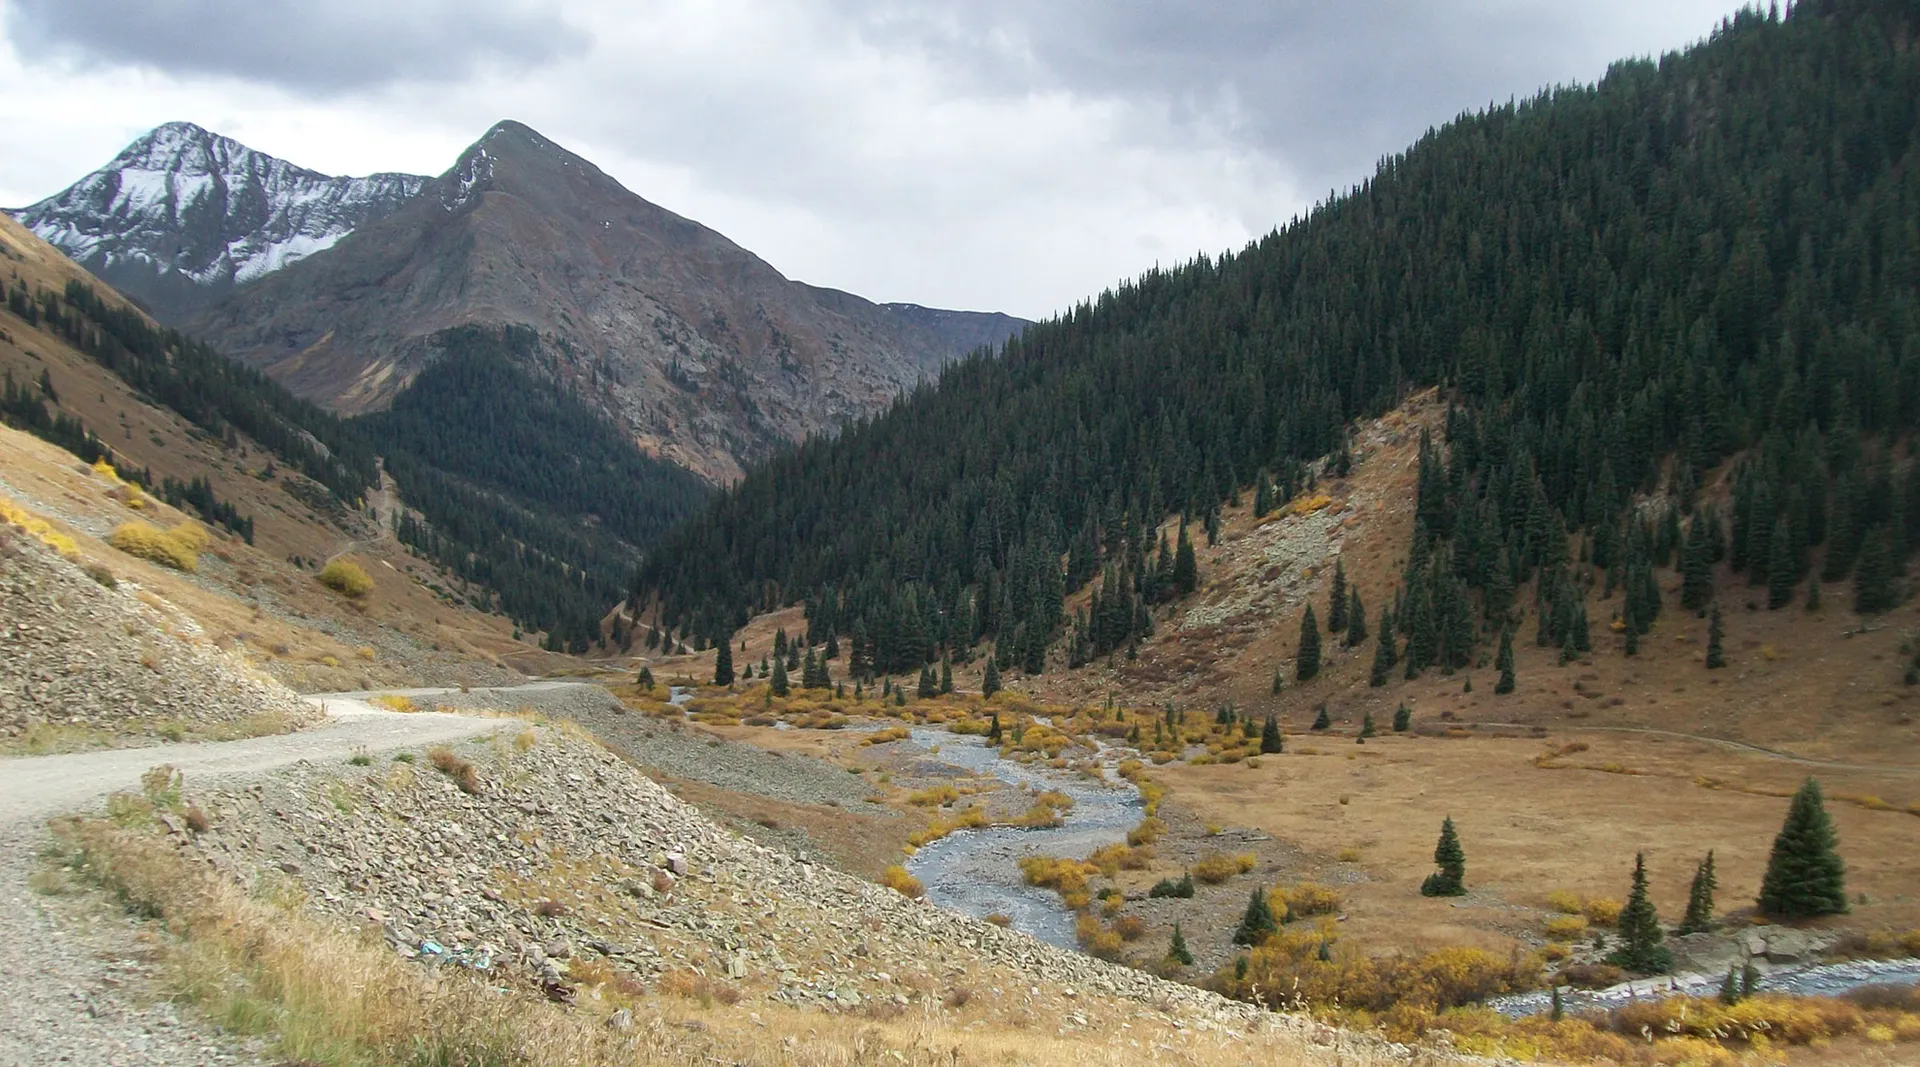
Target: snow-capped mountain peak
[[183, 215]]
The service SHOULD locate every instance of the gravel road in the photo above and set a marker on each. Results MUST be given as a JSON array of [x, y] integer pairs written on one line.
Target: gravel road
[[73, 975]]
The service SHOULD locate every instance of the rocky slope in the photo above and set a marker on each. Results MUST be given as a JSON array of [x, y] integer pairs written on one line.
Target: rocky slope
[[559, 868], [183, 215], [702, 350], [78, 655]]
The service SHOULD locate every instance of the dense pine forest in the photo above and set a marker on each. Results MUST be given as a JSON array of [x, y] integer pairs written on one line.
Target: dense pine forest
[[523, 487], [1622, 287]]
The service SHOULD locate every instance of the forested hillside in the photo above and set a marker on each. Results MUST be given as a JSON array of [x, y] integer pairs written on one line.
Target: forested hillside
[[1621, 287], [524, 488]]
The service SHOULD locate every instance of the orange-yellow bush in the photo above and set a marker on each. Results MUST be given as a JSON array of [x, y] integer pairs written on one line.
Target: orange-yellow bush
[[1565, 927], [1304, 901], [345, 577], [1112, 859], [897, 879], [1215, 867], [1603, 911], [1146, 832], [178, 548]]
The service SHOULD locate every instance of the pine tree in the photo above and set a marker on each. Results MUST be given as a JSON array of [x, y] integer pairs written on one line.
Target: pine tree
[[1805, 876], [1322, 721], [1337, 598], [1504, 661], [1696, 586], [1366, 725], [1186, 571], [1699, 917], [1557, 1008], [1270, 741], [1716, 655], [1383, 653], [1306, 663], [1278, 682], [946, 676], [1402, 719], [779, 676], [645, 679], [1874, 590], [990, 684], [993, 731], [1783, 570], [1177, 951], [929, 686], [1641, 939], [1730, 987], [1356, 618], [1451, 879], [1257, 922], [723, 663]]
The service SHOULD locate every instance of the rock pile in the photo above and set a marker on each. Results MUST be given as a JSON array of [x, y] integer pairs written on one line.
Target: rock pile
[[558, 867], [76, 653]]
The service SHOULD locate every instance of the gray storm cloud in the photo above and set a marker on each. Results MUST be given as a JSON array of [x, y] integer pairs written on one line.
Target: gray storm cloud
[[329, 47]]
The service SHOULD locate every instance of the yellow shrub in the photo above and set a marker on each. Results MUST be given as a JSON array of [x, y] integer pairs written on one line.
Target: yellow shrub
[[1564, 902], [891, 733], [394, 702], [1147, 832], [178, 548], [1603, 911], [346, 578], [1307, 899], [14, 515], [1566, 927], [934, 797], [1214, 868], [897, 879], [1063, 876]]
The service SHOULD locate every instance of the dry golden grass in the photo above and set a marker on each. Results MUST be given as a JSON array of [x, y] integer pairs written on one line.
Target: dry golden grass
[[258, 964]]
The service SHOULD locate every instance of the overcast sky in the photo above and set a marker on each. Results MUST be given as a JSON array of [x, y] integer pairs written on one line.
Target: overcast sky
[[991, 154]]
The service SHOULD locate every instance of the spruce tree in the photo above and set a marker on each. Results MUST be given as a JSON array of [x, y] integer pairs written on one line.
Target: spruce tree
[[1366, 725], [1783, 569], [1730, 987], [1451, 879], [1322, 721], [1641, 939], [1178, 951], [1874, 590], [645, 679], [1716, 655], [1356, 618], [1257, 922], [1696, 586], [1383, 654], [1504, 661], [1307, 663], [1337, 598], [723, 663], [1278, 683], [1805, 877], [946, 676], [1186, 571], [1270, 741], [1699, 917], [990, 684], [779, 677], [993, 731], [929, 686], [1402, 719]]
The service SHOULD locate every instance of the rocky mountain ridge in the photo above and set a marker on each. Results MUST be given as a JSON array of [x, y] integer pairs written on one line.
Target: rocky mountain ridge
[[183, 216], [703, 351]]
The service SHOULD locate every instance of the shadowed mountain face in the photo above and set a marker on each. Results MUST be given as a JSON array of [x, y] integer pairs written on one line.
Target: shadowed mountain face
[[708, 355], [183, 216]]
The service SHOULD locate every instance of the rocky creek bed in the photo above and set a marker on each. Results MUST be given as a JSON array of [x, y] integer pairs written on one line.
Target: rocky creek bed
[[1808, 980]]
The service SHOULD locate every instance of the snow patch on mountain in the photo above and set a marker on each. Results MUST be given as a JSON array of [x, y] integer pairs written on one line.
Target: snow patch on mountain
[[187, 203]]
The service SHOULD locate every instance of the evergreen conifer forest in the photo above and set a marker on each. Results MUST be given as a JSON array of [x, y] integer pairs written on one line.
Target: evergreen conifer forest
[[1620, 287]]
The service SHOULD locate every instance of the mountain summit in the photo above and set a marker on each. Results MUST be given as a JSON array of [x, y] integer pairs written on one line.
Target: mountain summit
[[704, 352], [183, 215]]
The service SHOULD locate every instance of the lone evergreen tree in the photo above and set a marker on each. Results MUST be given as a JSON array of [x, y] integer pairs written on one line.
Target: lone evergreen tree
[[1270, 741], [1874, 590], [723, 663], [1641, 948], [1307, 663], [990, 684], [1504, 661], [1383, 654], [1178, 951], [993, 730], [779, 677], [1716, 655], [1257, 922], [1451, 879], [1805, 876], [1356, 618], [1322, 720], [1699, 917], [1278, 683], [645, 679], [1366, 725], [1186, 571], [1402, 719], [1337, 598]]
